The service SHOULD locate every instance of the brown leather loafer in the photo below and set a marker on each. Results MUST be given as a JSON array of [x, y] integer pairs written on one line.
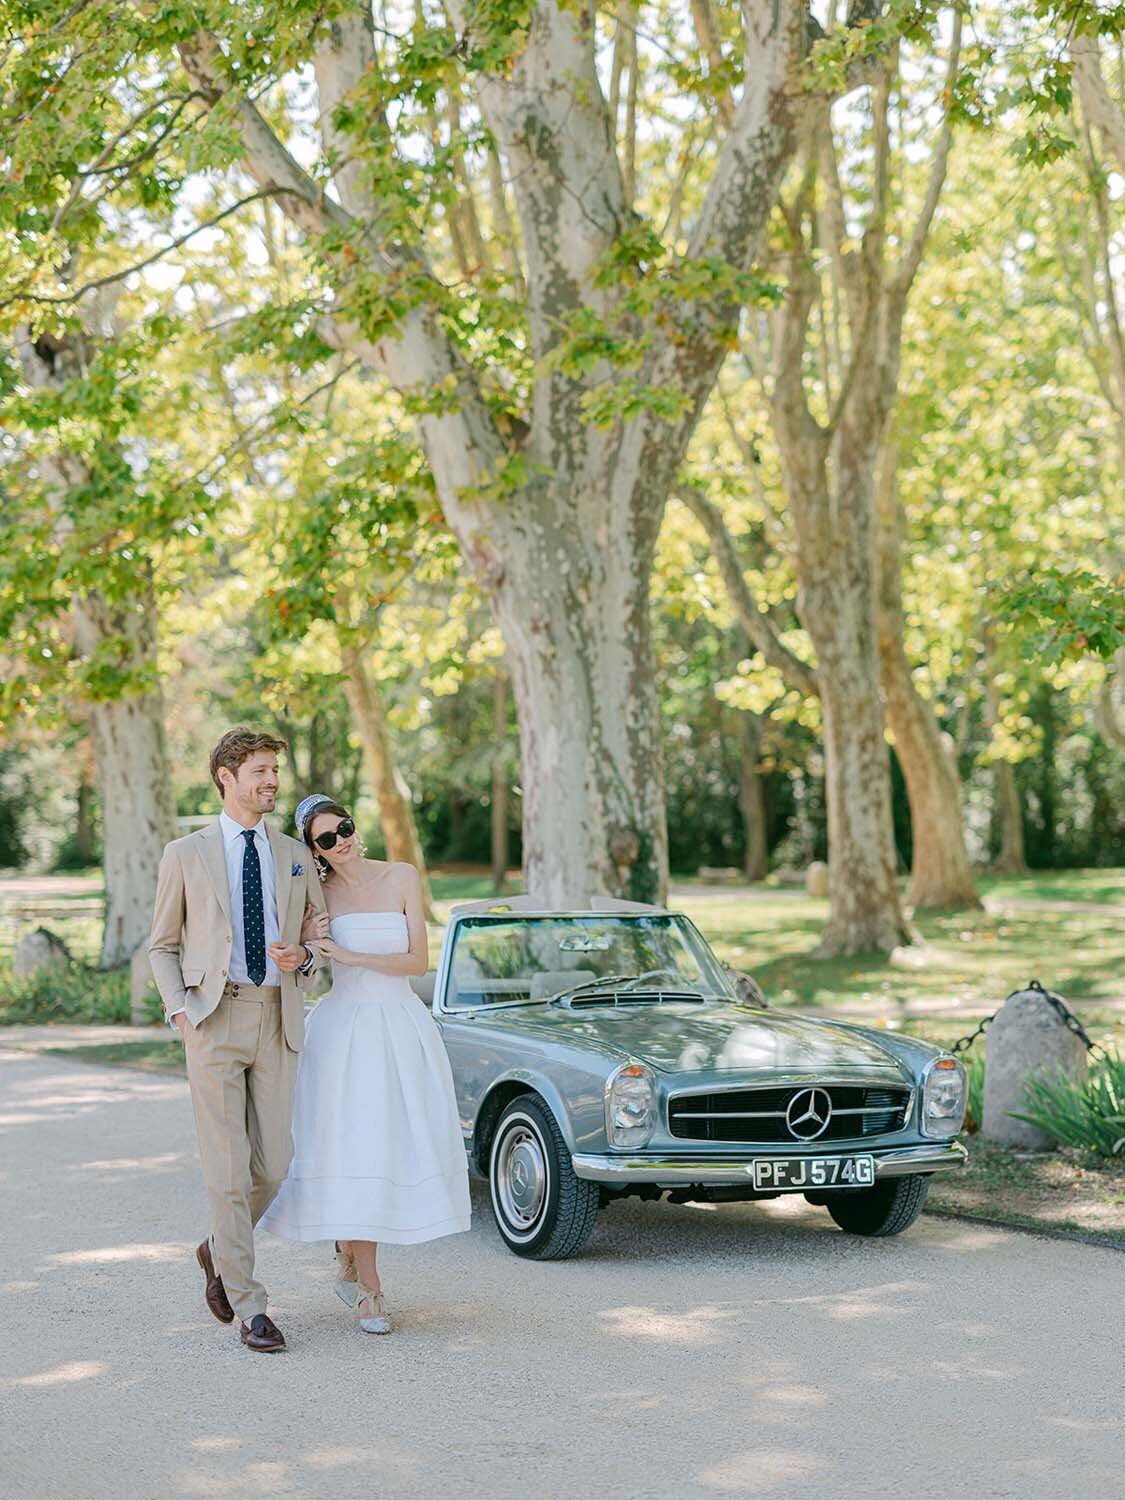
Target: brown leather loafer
[[215, 1292], [263, 1335]]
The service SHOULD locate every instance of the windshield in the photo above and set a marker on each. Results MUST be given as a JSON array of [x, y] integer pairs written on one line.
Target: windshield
[[518, 959]]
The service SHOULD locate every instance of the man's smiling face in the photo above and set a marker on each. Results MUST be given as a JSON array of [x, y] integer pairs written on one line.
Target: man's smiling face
[[253, 787]]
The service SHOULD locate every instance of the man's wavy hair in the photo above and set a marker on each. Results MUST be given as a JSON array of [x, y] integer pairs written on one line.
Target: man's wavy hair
[[238, 745]]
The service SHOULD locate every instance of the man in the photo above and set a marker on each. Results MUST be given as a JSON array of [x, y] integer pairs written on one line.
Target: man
[[229, 962]]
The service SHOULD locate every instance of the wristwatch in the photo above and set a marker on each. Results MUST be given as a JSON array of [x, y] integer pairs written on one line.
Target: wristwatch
[[306, 967]]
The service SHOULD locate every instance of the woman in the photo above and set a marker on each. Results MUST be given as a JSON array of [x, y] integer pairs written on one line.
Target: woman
[[378, 1153]]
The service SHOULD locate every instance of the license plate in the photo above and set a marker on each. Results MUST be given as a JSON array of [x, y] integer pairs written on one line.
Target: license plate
[[797, 1174]]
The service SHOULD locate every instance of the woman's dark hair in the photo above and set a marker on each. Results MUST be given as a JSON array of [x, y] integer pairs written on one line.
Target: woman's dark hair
[[323, 868]]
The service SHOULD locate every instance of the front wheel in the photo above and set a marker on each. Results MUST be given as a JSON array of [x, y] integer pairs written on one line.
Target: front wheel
[[887, 1208], [542, 1210]]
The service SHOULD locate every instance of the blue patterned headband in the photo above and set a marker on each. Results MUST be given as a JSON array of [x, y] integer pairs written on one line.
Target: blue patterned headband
[[307, 807]]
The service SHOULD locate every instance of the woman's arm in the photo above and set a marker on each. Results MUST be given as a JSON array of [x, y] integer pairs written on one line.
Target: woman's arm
[[417, 957]]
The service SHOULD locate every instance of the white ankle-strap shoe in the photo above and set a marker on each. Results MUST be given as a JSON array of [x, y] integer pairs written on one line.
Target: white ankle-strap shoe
[[370, 1313]]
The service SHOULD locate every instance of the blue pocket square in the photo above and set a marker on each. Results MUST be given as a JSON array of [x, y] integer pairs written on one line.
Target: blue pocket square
[[297, 870]]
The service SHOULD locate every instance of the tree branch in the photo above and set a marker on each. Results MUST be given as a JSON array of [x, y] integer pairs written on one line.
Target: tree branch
[[549, 117], [116, 276], [907, 269], [753, 619], [1097, 104], [419, 353]]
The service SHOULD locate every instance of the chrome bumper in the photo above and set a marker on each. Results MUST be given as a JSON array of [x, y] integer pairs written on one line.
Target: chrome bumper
[[718, 1171]]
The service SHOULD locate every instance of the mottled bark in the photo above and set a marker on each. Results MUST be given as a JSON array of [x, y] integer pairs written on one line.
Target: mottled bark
[[836, 601], [752, 801], [829, 470], [940, 874], [829, 481], [127, 730], [565, 557], [396, 812], [498, 801], [1007, 809], [573, 606], [1098, 105], [134, 780]]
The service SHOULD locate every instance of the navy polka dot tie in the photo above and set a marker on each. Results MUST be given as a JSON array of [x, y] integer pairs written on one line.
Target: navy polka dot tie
[[253, 913]]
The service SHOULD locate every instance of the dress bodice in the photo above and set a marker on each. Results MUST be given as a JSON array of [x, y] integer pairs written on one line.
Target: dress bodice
[[370, 932]]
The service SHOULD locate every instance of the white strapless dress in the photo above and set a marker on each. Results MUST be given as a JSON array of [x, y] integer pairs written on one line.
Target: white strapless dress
[[378, 1152]]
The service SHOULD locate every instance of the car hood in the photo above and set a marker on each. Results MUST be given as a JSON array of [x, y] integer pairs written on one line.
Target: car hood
[[713, 1037]]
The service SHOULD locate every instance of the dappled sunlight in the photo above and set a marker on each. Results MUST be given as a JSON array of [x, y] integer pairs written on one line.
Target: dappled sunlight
[[793, 1396], [964, 1237], [166, 1160], [762, 1471], [863, 1302], [391, 1460], [121, 1087], [265, 1477], [18, 1286], [970, 1369], [115, 1254], [377, 1459], [64, 1374], [1083, 1424], [693, 1326], [48, 1100]]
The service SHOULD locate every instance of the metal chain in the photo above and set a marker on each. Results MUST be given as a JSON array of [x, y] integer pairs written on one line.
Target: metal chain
[[964, 1043], [1067, 1016], [1056, 1002]]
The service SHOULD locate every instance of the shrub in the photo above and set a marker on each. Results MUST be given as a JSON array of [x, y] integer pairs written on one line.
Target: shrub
[[77, 994], [974, 1079], [1089, 1114]]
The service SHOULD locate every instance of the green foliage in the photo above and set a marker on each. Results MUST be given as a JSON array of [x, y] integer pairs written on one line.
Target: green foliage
[[1089, 1114], [76, 995], [1067, 612], [973, 1060]]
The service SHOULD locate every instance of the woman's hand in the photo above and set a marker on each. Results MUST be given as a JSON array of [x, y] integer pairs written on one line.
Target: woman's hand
[[341, 955], [315, 925]]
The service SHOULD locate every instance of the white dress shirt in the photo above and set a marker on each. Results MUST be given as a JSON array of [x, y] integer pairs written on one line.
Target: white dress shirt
[[234, 845]]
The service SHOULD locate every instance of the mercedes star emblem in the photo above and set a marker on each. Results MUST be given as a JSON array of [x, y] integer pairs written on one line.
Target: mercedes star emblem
[[808, 1114]]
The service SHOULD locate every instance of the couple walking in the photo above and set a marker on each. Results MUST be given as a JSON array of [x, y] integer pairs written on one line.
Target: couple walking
[[344, 1128]]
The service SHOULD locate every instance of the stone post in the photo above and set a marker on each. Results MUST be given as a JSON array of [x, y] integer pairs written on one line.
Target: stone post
[[1028, 1037]]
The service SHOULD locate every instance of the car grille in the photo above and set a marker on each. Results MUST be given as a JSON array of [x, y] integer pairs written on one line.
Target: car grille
[[758, 1115]]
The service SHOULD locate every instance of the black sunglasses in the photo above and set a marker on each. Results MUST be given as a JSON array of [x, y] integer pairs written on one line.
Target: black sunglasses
[[343, 830]]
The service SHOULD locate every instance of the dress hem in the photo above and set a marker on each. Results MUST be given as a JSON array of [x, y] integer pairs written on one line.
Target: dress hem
[[307, 1233]]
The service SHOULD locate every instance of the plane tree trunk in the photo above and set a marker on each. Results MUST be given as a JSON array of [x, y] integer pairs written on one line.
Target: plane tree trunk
[[555, 513], [116, 638], [940, 874], [396, 810]]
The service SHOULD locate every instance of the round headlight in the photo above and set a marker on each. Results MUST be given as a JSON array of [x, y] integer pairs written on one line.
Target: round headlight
[[630, 1106], [944, 1096]]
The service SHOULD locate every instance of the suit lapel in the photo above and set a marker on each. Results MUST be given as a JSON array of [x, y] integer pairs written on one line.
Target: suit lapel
[[215, 859], [283, 877]]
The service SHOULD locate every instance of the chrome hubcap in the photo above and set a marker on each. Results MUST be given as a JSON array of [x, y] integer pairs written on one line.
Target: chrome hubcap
[[521, 1177]]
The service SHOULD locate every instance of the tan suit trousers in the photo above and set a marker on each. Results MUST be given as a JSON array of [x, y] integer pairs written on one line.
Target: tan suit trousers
[[241, 1072]]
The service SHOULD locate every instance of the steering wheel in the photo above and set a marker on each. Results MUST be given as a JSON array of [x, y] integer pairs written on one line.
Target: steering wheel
[[656, 974]]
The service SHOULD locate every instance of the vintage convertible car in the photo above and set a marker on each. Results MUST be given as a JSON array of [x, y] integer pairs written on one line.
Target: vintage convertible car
[[606, 1053]]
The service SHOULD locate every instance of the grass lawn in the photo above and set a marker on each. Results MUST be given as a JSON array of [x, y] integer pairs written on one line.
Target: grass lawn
[[968, 963], [157, 1057]]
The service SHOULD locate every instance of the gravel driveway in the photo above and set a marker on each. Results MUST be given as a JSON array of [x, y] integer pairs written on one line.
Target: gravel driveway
[[713, 1351]]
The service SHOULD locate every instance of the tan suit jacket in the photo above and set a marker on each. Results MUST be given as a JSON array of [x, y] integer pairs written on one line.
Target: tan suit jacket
[[190, 944]]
